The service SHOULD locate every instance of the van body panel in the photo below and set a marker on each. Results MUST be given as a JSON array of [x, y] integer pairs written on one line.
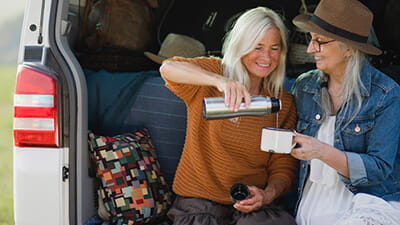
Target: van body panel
[[39, 191], [44, 28]]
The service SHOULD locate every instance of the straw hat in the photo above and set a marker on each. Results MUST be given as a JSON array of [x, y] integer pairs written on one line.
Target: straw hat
[[348, 21], [178, 45]]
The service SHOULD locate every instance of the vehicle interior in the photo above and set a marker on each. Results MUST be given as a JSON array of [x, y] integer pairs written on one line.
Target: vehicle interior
[[125, 91], [208, 24]]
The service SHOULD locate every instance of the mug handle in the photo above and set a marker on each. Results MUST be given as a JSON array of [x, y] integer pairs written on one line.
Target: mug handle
[[296, 145]]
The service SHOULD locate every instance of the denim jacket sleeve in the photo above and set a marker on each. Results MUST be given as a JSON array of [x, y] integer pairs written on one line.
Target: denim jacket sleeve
[[375, 163]]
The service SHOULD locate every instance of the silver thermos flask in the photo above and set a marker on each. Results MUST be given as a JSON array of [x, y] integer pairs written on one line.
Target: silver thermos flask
[[215, 108]]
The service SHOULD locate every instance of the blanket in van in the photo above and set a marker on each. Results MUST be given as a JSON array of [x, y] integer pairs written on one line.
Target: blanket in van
[[109, 93]]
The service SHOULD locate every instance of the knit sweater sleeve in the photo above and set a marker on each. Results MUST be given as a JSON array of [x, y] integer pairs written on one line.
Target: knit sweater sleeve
[[187, 91]]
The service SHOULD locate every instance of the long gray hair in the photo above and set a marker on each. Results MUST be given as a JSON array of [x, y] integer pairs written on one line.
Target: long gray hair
[[352, 85], [247, 32]]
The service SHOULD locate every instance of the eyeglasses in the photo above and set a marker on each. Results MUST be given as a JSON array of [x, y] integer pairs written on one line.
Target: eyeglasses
[[315, 43]]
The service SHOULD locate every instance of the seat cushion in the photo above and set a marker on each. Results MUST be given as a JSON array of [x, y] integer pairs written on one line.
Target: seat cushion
[[132, 186]]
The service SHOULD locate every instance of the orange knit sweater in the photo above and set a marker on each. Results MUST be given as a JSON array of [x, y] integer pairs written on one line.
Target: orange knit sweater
[[219, 153]]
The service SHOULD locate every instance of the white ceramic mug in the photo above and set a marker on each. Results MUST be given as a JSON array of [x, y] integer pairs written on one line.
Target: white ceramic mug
[[277, 140]]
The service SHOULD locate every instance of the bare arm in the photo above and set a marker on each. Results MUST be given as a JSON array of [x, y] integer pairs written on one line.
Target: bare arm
[[311, 148], [187, 73], [336, 159]]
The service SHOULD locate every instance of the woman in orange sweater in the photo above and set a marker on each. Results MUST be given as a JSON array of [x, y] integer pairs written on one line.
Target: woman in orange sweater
[[219, 153]]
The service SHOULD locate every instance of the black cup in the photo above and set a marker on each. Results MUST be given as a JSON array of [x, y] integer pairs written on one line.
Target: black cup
[[239, 192]]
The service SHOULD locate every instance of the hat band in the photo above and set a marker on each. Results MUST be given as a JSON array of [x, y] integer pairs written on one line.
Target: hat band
[[336, 30]]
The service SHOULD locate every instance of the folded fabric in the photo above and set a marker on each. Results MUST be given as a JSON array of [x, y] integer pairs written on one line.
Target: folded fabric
[[110, 96]]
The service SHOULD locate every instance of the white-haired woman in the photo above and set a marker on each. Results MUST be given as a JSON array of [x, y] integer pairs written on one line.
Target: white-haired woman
[[220, 153], [348, 117]]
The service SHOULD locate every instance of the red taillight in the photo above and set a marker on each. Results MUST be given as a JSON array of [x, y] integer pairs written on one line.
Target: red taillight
[[35, 109]]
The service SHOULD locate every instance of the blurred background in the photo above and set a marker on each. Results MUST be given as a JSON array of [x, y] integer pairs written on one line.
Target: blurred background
[[11, 15]]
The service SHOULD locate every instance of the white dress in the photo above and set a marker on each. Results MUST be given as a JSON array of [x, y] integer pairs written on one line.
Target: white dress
[[327, 201]]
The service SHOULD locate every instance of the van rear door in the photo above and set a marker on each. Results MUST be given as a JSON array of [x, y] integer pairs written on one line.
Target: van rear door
[[50, 121]]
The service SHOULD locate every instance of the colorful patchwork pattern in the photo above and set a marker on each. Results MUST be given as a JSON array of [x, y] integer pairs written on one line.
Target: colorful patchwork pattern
[[132, 186]]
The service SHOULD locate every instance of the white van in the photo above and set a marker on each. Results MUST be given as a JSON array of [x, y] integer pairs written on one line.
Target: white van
[[57, 99]]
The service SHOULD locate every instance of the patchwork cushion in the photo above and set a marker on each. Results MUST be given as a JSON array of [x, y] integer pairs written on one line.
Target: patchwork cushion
[[132, 186]]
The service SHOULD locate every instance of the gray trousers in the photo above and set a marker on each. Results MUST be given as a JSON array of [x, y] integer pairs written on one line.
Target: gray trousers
[[197, 211]]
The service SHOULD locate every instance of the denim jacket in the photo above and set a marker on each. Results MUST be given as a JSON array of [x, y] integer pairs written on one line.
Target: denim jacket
[[370, 141]]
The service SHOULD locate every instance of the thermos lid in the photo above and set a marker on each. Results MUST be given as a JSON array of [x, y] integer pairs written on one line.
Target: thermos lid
[[276, 105]]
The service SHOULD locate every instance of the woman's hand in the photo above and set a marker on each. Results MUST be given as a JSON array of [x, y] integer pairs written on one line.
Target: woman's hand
[[256, 200], [234, 93], [309, 147]]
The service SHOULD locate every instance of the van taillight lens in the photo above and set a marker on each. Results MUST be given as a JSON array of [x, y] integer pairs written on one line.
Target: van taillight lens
[[35, 109]]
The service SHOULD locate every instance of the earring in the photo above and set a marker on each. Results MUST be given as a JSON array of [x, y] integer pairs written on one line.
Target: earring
[[348, 53]]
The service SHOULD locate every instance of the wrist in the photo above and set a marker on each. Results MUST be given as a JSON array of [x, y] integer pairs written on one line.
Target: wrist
[[269, 194], [220, 82], [325, 152], [273, 190]]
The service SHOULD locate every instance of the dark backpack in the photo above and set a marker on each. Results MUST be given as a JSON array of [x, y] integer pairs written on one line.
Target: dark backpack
[[115, 33], [126, 24]]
